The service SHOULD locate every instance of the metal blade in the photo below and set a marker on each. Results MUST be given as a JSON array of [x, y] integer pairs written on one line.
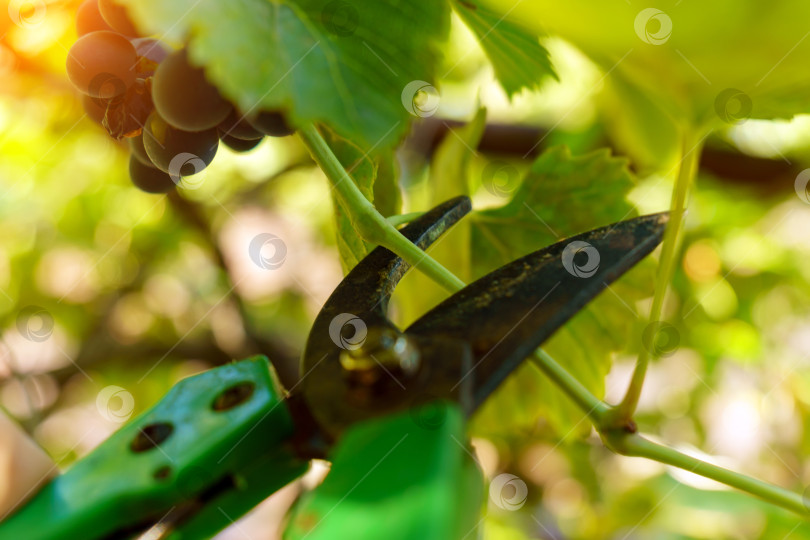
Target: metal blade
[[466, 346], [508, 313], [360, 302]]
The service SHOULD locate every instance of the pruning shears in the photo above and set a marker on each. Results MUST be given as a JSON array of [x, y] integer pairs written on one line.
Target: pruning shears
[[386, 407]]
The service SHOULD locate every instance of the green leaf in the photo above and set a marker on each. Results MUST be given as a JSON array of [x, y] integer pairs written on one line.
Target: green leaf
[[377, 179], [562, 195], [449, 171], [387, 193], [686, 54], [449, 175], [516, 55], [638, 126], [363, 171], [344, 63]]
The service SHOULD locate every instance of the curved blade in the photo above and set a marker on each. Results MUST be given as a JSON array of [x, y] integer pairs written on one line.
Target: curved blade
[[471, 342], [508, 313], [362, 299]]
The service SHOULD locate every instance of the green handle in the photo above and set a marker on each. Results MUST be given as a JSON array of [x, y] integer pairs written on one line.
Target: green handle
[[215, 441], [400, 477]]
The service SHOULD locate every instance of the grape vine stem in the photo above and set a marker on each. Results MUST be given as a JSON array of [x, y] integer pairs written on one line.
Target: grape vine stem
[[637, 446], [402, 219], [595, 408], [625, 441], [373, 227], [691, 150], [367, 221]]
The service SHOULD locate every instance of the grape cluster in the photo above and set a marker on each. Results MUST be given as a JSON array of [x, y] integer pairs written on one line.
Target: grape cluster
[[137, 88]]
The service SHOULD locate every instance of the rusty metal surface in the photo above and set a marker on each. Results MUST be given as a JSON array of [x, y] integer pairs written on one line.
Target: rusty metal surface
[[364, 293], [508, 313], [471, 342]]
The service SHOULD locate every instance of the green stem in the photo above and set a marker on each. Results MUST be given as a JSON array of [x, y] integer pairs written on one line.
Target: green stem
[[635, 445], [376, 229], [367, 221], [594, 407], [631, 444], [402, 219], [666, 268]]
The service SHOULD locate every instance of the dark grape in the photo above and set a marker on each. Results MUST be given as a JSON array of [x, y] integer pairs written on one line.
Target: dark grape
[[138, 151], [179, 153], [239, 145], [95, 108], [272, 123], [149, 179], [89, 19], [184, 97], [127, 114], [117, 17], [238, 127], [102, 64], [153, 49], [151, 52]]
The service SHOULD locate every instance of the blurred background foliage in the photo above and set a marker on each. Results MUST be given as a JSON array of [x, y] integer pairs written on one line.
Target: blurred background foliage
[[144, 290]]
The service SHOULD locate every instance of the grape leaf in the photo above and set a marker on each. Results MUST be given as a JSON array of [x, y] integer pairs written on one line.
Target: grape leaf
[[344, 63], [704, 65], [449, 177], [387, 193], [363, 171], [562, 195], [377, 179], [638, 126], [449, 171], [518, 58]]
